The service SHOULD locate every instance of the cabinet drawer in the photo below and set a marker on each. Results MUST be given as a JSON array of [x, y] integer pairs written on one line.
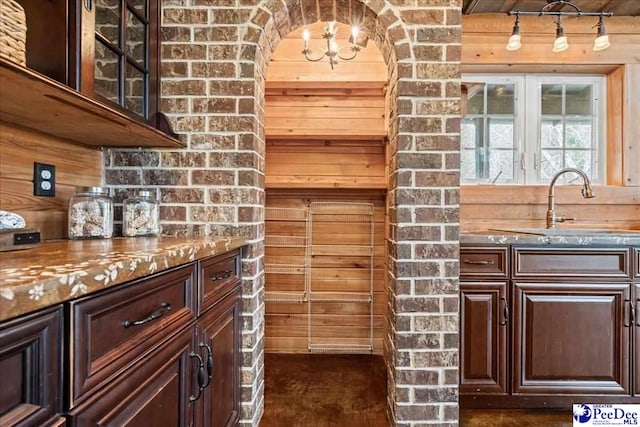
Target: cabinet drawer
[[113, 330], [218, 276], [576, 262], [483, 261]]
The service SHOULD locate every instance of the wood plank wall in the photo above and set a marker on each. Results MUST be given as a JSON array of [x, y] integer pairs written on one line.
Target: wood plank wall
[[326, 134], [75, 166], [286, 323]]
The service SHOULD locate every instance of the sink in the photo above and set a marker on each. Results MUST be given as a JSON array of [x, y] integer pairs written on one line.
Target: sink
[[570, 232]]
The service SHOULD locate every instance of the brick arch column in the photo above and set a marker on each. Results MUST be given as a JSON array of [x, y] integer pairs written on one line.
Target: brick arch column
[[214, 54], [421, 46]]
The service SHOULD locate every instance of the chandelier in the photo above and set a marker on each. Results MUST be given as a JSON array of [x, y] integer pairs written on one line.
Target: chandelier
[[561, 43], [332, 52]]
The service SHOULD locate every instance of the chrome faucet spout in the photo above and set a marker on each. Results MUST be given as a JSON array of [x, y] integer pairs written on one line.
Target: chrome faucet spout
[[587, 193]]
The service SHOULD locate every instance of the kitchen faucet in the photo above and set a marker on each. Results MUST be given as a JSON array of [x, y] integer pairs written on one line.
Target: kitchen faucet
[[587, 193]]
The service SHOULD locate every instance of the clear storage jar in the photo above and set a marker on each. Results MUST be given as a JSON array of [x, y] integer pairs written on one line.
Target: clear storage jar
[[90, 214], [140, 215]]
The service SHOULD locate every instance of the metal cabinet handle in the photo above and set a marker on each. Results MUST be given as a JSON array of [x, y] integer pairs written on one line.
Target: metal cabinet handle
[[201, 374], [637, 311], [164, 308], [88, 5], [505, 311], [209, 363], [628, 314], [221, 275], [480, 262]]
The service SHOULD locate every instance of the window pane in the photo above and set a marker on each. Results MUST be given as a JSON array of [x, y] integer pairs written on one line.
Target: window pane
[[579, 159], [500, 132], [468, 165], [579, 99], [471, 132], [551, 163], [501, 163], [578, 133], [135, 39], [551, 98], [551, 133], [475, 104], [108, 20], [134, 89], [500, 99], [106, 74]]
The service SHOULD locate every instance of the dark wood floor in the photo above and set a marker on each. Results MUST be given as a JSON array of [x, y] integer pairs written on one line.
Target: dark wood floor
[[350, 391]]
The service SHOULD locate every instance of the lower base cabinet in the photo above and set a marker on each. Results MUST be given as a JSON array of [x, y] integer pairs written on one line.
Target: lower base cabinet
[[163, 350], [30, 370], [549, 326], [571, 338], [636, 338], [483, 346], [220, 406], [155, 392]]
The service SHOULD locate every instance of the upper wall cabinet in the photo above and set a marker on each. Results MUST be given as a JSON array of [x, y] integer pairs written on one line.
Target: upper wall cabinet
[[97, 64]]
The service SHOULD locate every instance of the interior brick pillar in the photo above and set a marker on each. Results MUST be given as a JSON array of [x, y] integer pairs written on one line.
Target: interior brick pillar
[[214, 57]]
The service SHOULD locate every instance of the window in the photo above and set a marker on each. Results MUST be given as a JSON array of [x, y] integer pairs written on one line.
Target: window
[[525, 128]]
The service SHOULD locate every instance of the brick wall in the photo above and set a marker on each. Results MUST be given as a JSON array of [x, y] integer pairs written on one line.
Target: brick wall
[[214, 56]]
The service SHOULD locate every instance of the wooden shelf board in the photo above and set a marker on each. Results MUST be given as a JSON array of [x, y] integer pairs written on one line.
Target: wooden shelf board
[[307, 134], [32, 100]]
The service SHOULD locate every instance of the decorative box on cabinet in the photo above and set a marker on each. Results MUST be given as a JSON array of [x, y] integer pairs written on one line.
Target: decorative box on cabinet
[[31, 370], [484, 317]]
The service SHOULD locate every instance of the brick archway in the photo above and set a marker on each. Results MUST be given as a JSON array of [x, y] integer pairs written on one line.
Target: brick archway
[[214, 53], [422, 56]]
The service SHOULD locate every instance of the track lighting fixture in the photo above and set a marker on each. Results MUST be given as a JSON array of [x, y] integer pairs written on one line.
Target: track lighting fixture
[[561, 42]]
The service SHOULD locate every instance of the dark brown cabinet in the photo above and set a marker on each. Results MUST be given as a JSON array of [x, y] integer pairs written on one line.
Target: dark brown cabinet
[[137, 354], [218, 337], [636, 341], [483, 341], [571, 338], [155, 393], [31, 370], [561, 319]]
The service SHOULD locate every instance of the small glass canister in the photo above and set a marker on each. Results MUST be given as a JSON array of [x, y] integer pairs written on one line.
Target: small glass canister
[[140, 215], [90, 214]]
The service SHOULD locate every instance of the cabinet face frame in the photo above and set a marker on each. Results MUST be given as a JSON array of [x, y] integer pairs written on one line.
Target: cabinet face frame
[[36, 342], [525, 294], [493, 296]]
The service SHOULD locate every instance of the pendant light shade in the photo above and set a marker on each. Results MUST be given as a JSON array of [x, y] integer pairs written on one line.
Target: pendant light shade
[[514, 40], [602, 41]]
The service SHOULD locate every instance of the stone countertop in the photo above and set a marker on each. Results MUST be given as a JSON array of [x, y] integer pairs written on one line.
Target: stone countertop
[[54, 272], [497, 237]]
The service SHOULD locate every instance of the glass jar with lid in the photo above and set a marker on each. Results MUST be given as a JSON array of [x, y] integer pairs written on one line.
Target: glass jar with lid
[[140, 215], [90, 214]]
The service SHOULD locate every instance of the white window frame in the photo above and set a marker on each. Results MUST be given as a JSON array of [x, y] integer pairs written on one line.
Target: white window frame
[[527, 105]]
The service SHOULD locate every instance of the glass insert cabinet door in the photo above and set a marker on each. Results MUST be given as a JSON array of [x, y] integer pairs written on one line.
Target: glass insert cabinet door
[[118, 53]]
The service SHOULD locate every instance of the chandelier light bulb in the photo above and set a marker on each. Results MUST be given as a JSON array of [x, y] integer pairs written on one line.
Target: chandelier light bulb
[[306, 35], [354, 33]]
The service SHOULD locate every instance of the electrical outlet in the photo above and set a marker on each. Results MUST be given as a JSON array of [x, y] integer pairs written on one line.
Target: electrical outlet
[[44, 180]]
